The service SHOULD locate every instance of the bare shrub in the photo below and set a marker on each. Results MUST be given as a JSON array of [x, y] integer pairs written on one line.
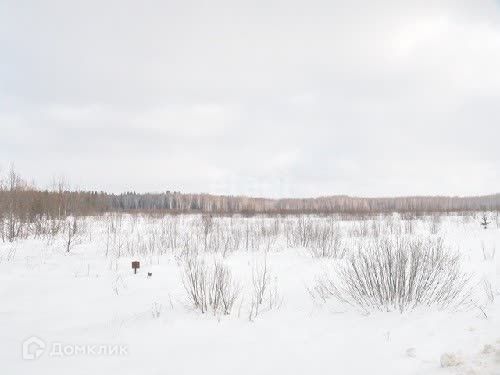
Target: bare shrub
[[264, 291], [8, 253], [300, 231], [224, 291], [326, 242], [323, 238], [360, 229], [207, 223], [409, 225], [485, 221], [13, 223], [72, 234], [156, 310], [195, 281], [210, 287], [376, 228], [488, 253], [488, 291], [435, 224], [118, 284], [392, 226], [399, 274]]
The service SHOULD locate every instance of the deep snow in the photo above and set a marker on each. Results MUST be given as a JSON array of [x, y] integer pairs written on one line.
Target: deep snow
[[84, 300]]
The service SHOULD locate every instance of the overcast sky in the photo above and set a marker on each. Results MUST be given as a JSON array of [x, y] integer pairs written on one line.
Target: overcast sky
[[273, 98]]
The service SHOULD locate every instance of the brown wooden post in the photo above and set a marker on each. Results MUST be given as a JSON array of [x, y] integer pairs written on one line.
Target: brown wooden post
[[136, 265]]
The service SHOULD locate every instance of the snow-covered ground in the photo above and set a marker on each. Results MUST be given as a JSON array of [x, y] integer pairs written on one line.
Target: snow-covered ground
[[86, 312]]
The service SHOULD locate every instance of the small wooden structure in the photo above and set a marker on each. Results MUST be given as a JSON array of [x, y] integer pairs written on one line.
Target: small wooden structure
[[135, 265]]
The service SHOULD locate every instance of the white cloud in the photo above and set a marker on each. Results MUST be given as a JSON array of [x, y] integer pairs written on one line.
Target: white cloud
[[296, 98]]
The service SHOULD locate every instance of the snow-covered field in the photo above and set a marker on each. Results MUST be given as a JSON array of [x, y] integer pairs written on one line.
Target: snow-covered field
[[86, 312]]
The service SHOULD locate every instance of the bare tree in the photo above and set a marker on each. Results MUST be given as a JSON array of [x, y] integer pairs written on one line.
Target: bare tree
[[71, 233], [14, 218]]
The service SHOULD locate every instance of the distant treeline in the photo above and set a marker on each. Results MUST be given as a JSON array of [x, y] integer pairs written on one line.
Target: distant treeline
[[25, 201]]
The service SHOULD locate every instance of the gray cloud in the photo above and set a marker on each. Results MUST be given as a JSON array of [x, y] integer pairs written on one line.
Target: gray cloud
[[264, 98]]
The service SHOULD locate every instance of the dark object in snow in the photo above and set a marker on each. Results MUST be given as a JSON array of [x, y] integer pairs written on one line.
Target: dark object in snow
[[485, 222], [150, 274], [136, 265]]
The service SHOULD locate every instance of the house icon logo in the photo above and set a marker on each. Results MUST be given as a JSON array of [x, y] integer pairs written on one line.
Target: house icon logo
[[33, 348]]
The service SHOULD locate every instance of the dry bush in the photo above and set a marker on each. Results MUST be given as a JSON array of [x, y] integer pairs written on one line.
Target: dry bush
[[72, 233], [264, 292], [8, 253], [323, 238], [376, 227], [399, 274], [359, 229], [488, 253], [435, 224], [207, 224], [392, 226], [223, 291], [488, 291], [409, 225], [299, 232], [210, 287], [156, 310], [327, 242], [195, 281]]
